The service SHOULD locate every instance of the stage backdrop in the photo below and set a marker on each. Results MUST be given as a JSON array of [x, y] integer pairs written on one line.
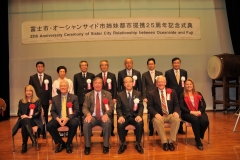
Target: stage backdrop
[[194, 53]]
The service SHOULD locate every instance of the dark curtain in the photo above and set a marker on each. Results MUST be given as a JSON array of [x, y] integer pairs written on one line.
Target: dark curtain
[[233, 12], [4, 60]]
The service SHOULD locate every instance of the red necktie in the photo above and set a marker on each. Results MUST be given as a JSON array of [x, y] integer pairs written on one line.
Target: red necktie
[[104, 79], [97, 106]]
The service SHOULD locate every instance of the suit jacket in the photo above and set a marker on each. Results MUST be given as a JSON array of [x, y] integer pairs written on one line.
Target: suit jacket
[[80, 85], [57, 106], [147, 83], [154, 105], [42, 93], [113, 90], [184, 107], [23, 108], [172, 81], [89, 103], [123, 73], [123, 108]]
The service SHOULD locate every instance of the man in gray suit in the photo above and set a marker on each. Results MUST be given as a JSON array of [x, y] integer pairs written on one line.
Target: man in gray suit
[[64, 112], [148, 84], [97, 110], [163, 106]]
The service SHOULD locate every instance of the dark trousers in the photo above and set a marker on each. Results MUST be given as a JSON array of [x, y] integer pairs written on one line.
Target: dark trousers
[[53, 125], [138, 131], [199, 124], [24, 123], [81, 116], [150, 124], [45, 109], [112, 122]]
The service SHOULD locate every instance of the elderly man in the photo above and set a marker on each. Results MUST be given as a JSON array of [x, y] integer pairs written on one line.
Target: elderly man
[[129, 71], [64, 112], [130, 111], [109, 84], [97, 110], [163, 107]]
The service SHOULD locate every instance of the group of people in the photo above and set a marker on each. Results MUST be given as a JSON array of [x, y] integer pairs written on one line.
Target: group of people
[[90, 100]]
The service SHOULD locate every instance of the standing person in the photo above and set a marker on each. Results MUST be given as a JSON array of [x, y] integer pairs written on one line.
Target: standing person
[[163, 107], [62, 72], [175, 79], [129, 71], [109, 84], [97, 110], [42, 83], [64, 112], [130, 111], [82, 84], [193, 107], [29, 111], [148, 84]]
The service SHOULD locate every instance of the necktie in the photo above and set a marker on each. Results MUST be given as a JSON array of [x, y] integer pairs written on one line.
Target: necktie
[[129, 73], [129, 99], [163, 103], [97, 106], [177, 76], [104, 79], [64, 108], [40, 79], [152, 75], [84, 75]]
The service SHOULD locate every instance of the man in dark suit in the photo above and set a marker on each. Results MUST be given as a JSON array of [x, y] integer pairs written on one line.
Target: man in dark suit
[[64, 111], [42, 84], [175, 79], [82, 83], [163, 106], [130, 111], [129, 71], [97, 110], [109, 84], [148, 84]]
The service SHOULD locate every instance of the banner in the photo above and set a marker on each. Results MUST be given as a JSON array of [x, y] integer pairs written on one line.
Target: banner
[[110, 29]]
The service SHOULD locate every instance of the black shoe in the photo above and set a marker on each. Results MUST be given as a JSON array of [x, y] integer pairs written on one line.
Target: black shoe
[[87, 150], [181, 132], [112, 134], [122, 148], [165, 147], [156, 133], [60, 147], [171, 146], [44, 136], [105, 150], [68, 148], [139, 148], [101, 135], [34, 143], [24, 148], [150, 133]]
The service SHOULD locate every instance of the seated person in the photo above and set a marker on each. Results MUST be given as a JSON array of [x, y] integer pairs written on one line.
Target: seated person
[[129, 111], [193, 107], [64, 112], [29, 111], [97, 110], [163, 106]]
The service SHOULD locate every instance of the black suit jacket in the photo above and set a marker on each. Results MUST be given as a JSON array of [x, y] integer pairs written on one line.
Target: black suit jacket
[[57, 106], [123, 108], [154, 105], [123, 73], [184, 108], [147, 83], [113, 90], [80, 85], [172, 81], [44, 95]]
